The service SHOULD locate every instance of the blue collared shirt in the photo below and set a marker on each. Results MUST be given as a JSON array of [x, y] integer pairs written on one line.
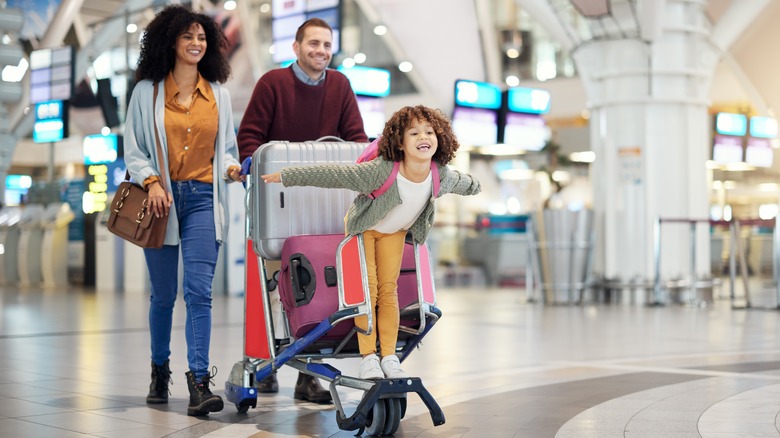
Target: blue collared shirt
[[303, 77]]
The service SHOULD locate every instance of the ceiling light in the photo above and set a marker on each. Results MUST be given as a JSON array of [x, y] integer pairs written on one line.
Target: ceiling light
[[359, 58], [348, 63], [132, 28], [229, 5], [380, 30], [265, 8], [512, 81], [513, 53], [405, 66]]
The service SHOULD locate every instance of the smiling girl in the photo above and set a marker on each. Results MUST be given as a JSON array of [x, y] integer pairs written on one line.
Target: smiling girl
[[416, 137]]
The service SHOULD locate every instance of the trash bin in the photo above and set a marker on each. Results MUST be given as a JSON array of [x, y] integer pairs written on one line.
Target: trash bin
[[54, 246], [30, 245], [9, 245], [562, 243]]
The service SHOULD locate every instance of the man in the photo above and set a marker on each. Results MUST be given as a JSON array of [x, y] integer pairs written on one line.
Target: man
[[303, 102]]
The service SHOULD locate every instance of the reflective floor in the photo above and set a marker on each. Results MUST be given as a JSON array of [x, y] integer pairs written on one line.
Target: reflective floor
[[76, 363]]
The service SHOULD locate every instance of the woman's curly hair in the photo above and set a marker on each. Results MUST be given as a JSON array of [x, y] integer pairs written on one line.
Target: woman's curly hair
[[158, 52], [391, 143]]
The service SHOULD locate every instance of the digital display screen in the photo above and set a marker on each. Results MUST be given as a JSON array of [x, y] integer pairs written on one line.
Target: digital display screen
[[759, 152], [477, 94], [372, 110], [526, 131], [51, 74], [368, 81], [100, 149], [475, 126], [727, 150], [763, 127], [731, 124], [528, 100]]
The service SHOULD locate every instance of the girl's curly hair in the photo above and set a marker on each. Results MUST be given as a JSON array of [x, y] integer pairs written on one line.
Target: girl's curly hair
[[158, 53], [391, 143]]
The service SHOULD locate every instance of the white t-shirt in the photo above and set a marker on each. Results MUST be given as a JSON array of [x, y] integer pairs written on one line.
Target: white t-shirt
[[414, 198]]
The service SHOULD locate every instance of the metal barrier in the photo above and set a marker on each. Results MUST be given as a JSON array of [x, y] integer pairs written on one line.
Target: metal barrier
[[694, 284], [737, 253]]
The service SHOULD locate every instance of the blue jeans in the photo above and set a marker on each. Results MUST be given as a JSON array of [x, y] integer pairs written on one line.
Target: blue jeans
[[199, 249]]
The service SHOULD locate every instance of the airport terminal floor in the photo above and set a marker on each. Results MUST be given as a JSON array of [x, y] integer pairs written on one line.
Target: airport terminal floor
[[75, 363]]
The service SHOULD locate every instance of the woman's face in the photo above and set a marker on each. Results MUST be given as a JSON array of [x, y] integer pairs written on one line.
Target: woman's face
[[191, 45]]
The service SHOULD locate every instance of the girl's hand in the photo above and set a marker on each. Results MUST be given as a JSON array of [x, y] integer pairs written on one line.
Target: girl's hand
[[272, 178]]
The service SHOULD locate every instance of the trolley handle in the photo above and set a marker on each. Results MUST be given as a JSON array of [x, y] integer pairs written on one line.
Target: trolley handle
[[246, 166]]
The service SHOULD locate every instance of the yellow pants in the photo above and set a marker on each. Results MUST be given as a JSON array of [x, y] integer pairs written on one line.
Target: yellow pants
[[383, 262]]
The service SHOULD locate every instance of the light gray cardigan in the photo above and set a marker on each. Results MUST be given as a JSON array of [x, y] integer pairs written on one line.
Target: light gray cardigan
[[141, 151]]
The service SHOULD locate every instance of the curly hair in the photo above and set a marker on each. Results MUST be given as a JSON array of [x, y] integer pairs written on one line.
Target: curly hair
[[158, 53], [391, 142]]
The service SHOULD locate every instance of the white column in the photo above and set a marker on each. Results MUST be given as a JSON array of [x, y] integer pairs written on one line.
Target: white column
[[650, 133]]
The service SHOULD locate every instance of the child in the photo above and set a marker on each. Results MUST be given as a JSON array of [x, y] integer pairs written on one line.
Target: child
[[414, 136]]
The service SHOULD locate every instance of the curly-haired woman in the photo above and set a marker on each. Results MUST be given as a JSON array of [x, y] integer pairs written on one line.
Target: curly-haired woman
[[419, 139], [178, 99]]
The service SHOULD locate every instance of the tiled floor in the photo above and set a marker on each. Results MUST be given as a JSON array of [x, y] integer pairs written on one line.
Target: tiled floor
[[76, 363]]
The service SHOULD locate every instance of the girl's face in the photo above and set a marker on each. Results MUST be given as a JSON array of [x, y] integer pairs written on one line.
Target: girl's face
[[191, 45], [420, 142]]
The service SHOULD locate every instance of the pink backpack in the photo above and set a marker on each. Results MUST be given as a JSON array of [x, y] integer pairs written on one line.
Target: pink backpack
[[372, 151]]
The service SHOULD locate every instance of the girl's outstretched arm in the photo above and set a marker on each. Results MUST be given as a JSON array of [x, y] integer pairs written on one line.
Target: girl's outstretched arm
[[272, 178]]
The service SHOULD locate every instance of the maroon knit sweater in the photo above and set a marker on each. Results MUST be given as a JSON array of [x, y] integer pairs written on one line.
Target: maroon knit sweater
[[284, 108]]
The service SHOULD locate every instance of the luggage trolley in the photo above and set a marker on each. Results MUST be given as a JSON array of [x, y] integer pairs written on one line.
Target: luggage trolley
[[282, 220]]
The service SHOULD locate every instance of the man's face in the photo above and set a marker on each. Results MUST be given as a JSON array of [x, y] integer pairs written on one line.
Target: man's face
[[314, 52]]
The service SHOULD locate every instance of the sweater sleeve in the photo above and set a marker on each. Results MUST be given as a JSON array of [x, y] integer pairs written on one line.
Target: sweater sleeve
[[362, 178], [459, 183], [253, 131]]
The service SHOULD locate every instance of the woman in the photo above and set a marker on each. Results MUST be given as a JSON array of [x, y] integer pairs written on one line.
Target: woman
[[178, 99]]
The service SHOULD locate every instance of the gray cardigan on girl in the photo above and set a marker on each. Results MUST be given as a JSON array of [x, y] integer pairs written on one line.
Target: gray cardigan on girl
[[141, 150], [369, 176]]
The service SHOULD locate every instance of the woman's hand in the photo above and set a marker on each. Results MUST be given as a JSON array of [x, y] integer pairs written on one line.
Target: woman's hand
[[159, 200], [272, 177], [234, 173]]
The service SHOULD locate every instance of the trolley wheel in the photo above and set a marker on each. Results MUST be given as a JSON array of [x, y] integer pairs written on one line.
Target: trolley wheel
[[392, 416], [375, 420], [402, 402], [244, 406]]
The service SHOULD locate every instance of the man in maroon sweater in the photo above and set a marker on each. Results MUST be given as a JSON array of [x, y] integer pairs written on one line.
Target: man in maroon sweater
[[303, 102]]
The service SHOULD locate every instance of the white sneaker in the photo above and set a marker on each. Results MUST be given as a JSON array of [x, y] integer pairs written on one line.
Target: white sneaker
[[370, 369], [391, 366]]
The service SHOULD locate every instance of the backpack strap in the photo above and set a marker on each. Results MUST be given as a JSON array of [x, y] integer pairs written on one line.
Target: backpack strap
[[388, 182], [435, 177], [394, 174]]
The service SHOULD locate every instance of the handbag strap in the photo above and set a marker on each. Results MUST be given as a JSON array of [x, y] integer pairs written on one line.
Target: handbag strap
[[163, 175]]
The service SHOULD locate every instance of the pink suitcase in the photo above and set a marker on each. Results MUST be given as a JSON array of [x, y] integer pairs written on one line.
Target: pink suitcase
[[308, 283]]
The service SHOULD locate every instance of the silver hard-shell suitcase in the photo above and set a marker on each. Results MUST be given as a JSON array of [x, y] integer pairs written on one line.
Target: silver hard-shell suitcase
[[279, 212]]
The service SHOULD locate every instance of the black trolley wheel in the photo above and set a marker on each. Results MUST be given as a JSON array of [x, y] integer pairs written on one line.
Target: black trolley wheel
[[392, 416], [375, 420]]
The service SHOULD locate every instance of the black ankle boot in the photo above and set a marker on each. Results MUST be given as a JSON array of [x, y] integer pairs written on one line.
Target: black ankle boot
[[158, 389], [269, 385], [309, 388], [202, 401]]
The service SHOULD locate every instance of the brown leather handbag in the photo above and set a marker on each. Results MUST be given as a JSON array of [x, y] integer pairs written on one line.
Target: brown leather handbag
[[131, 218]]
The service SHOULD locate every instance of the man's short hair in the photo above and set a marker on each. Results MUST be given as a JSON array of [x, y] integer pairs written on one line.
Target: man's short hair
[[311, 22]]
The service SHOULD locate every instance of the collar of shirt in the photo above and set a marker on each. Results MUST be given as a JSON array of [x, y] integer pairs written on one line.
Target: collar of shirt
[[303, 77], [172, 89]]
